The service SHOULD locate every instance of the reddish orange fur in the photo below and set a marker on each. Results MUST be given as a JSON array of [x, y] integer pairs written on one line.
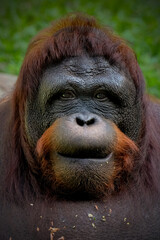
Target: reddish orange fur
[[45, 143], [126, 152], [125, 149]]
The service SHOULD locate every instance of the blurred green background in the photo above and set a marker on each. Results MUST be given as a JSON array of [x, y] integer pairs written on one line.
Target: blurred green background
[[136, 21]]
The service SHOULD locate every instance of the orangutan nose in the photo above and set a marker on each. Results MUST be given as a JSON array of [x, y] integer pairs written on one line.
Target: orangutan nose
[[85, 119]]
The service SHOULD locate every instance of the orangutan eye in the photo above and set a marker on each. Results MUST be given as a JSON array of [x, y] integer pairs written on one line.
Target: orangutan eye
[[100, 96], [67, 95]]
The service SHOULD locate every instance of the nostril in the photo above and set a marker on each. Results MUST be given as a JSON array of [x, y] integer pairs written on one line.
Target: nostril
[[80, 122], [90, 121]]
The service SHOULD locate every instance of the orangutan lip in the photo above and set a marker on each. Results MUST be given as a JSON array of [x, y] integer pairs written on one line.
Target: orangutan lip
[[86, 154], [80, 158]]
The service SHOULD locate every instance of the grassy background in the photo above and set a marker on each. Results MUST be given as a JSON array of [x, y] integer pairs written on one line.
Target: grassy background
[[136, 21]]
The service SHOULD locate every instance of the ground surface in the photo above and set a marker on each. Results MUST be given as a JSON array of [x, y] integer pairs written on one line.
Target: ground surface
[[7, 82]]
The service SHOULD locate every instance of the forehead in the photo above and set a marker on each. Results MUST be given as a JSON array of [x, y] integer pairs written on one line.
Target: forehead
[[85, 71], [86, 65]]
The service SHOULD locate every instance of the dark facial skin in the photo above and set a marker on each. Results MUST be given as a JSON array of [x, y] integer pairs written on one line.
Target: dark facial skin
[[83, 97], [85, 86]]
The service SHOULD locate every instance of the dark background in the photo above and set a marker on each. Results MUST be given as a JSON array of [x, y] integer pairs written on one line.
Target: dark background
[[138, 22]]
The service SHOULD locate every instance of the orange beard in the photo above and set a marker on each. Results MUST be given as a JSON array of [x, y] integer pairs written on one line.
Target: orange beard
[[125, 151]]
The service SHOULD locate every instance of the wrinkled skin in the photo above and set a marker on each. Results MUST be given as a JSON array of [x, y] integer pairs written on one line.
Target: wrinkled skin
[[84, 77], [88, 96]]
